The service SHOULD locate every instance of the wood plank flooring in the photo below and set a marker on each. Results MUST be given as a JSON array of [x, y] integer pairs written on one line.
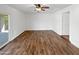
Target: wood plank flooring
[[66, 37], [39, 43]]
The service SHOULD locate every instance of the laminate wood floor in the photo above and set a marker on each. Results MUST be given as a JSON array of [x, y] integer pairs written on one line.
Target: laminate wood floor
[[66, 37], [39, 43]]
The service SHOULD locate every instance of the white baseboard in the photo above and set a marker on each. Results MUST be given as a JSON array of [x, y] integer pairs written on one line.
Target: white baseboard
[[4, 44], [10, 40]]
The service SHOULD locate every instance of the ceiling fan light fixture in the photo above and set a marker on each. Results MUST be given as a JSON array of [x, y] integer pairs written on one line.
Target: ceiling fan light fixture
[[38, 9]]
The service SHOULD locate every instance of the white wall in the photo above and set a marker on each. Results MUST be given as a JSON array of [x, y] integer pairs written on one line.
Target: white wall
[[17, 20], [74, 25], [0, 24], [42, 21], [74, 22]]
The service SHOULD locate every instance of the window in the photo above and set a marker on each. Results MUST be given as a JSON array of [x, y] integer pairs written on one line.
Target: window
[[5, 20]]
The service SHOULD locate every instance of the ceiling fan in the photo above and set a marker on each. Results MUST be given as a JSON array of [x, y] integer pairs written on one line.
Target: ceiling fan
[[41, 7]]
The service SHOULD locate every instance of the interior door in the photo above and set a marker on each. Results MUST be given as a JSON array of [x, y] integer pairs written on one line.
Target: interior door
[[65, 23]]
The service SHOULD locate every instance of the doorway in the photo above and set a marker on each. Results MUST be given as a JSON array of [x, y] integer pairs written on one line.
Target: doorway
[[4, 34], [65, 25]]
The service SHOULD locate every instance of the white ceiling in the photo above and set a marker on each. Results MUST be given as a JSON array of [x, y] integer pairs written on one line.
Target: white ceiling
[[30, 8]]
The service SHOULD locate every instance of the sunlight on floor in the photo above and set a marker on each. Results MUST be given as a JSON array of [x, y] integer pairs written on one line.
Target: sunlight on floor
[[3, 38]]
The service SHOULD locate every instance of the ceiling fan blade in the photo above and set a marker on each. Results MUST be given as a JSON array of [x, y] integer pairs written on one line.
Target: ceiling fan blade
[[46, 7], [42, 9], [37, 5]]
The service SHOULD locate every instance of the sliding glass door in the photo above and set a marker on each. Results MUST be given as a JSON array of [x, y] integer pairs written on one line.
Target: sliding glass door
[[3, 30]]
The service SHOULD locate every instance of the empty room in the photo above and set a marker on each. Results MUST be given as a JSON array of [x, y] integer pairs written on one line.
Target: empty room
[[39, 29]]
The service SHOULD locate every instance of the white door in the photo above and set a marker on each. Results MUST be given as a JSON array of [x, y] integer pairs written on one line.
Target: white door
[[65, 23]]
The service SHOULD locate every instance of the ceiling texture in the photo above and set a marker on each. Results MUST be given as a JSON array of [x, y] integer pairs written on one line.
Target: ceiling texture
[[30, 8]]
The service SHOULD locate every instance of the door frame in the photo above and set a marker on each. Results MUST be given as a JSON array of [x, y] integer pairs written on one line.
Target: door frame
[[68, 20], [8, 32]]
